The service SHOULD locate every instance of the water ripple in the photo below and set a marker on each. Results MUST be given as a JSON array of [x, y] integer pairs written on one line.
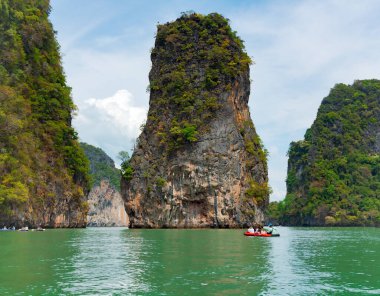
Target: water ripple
[[119, 261]]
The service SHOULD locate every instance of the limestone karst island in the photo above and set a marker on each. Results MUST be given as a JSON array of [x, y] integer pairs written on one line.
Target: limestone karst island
[[44, 177], [199, 161], [230, 184], [333, 174]]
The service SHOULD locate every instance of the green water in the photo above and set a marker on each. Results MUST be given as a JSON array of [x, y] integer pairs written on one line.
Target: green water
[[118, 261]]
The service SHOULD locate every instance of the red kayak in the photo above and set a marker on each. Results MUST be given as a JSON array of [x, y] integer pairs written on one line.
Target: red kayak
[[264, 234]]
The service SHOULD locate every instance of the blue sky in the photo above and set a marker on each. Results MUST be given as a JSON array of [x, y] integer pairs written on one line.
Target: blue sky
[[301, 49]]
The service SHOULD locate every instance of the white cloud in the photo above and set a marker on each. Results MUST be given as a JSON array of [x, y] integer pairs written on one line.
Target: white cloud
[[92, 73], [110, 123], [118, 111]]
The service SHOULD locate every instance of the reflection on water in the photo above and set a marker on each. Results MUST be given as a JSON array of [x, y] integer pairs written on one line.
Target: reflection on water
[[193, 262], [119, 261], [289, 273], [325, 261], [162, 262], [104, 260]]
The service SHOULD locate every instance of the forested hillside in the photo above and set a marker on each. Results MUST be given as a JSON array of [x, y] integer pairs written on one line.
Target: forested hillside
[[102, 167], [43, 170], [333, 174]]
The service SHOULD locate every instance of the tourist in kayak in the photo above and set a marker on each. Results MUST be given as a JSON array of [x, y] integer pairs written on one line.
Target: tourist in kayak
[[270, 228], [251, 230]]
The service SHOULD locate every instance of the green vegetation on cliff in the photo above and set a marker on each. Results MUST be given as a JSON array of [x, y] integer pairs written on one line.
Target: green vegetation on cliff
[[197, 58], [333, 174], [198, 161], [42, 167], [125, 168], [101, 166]]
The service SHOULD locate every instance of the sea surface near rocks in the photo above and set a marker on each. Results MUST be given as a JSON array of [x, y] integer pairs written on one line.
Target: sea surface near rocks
[[121, 261]]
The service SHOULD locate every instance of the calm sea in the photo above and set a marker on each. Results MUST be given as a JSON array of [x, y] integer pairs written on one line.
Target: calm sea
[[119, 261]]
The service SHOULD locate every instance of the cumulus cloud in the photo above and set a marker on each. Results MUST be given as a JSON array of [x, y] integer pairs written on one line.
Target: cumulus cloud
[[117, 110], [111, 123], [93, 72]]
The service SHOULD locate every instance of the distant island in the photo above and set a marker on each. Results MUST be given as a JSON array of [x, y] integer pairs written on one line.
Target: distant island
[[105, 205], [334, 173]]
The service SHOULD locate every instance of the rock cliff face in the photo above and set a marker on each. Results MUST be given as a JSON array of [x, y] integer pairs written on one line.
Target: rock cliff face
[[333, 174], [199, 161], [43, 171], [106, 207]]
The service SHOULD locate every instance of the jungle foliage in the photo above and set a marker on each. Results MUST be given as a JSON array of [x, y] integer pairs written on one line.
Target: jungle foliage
[[333, 174], [197, 58], [102, 167], [41, 163], [126, 168]]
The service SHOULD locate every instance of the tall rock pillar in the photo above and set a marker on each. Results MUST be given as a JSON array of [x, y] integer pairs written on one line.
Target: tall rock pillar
[[198, 161]]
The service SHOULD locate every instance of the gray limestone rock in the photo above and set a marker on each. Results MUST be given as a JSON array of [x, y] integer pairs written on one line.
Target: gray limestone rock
[[106, 207], [218, 180]]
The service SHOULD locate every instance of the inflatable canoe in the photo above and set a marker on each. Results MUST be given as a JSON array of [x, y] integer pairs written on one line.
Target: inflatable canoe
[[263, 234]]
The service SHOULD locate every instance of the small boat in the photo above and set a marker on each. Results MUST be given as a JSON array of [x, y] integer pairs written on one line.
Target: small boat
[[269, 231], [262, 234], [39, 228], [26, 228]]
